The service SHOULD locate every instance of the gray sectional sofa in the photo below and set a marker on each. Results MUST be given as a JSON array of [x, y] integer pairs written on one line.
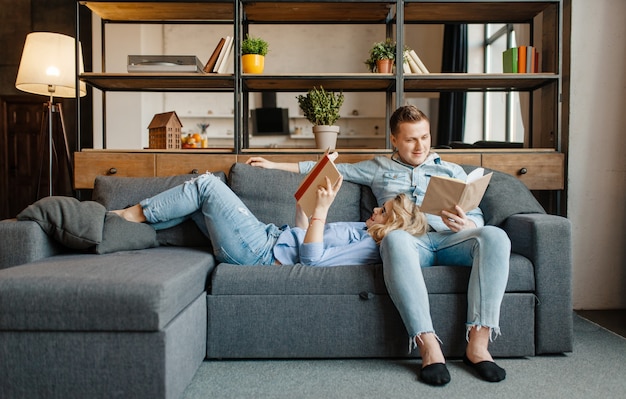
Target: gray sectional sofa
[[136, 320]]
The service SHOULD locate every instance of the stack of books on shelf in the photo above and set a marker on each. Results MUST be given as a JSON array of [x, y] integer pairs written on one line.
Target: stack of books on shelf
[[413, 64], [522, 59], [221, 59]]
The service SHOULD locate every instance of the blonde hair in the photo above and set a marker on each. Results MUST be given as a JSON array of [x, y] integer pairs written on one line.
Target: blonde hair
[[403, 214]]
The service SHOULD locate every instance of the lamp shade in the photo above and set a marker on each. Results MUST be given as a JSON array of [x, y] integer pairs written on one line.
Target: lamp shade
[[48, 65]]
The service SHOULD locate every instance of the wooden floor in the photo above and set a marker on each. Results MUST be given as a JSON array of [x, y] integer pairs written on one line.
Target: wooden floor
[[613, 320]]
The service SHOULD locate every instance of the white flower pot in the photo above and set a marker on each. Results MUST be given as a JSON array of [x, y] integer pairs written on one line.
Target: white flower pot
[[326, 136]]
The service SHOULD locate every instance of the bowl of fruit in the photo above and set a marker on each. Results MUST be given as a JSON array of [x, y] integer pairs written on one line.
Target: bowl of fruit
[[192, 140]]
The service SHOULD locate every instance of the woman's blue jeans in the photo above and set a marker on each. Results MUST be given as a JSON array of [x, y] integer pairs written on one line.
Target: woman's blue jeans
[[486, 250], [236, 235]]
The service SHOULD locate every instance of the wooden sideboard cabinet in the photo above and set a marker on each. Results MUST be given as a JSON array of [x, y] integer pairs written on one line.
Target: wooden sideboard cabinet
[[539, 170]]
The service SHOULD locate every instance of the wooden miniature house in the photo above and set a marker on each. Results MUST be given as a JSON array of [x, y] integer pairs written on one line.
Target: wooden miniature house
[[165, 130]]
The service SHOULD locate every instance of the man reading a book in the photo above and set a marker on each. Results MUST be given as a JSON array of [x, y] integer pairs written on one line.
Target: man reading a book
[[457, 238]]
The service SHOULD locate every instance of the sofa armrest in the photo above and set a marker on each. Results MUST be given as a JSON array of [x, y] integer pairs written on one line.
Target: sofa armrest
[[24, 242], [546, 241]]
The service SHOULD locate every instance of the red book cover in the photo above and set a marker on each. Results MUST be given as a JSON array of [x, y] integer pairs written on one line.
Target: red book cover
[[307, 191]]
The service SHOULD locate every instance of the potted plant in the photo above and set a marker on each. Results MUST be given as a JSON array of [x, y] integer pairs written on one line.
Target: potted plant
[[321, 108], [253, 51], [382, 56]]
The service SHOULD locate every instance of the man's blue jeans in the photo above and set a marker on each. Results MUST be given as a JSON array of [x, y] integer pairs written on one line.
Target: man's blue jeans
[[486, 250]]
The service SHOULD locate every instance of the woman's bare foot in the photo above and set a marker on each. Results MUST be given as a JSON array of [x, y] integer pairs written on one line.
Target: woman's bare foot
[[478, 345], [430, 349], [477, 356], [132, 214], [434, 371]]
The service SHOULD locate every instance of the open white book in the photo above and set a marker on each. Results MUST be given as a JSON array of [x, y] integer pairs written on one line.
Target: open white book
[[443, 193]]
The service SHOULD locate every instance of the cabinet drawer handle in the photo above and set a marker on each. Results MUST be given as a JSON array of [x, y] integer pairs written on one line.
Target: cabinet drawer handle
[[523, 171], [194, 171], [112, 171]]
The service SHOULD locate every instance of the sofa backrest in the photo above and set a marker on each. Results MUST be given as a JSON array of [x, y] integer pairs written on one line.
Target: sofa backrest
[[506, 195], [269, 195], [121, 192]]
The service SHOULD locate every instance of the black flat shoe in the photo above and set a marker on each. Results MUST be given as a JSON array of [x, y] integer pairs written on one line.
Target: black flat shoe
[[435, 374], [488, 371]]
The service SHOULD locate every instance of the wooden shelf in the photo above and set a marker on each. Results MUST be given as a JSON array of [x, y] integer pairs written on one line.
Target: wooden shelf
[[325, 11], [477, 81], [156, 10], [301, 82], [418, 11], [159, 81]]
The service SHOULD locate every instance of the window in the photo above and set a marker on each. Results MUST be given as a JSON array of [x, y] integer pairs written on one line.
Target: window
[[492, 115]]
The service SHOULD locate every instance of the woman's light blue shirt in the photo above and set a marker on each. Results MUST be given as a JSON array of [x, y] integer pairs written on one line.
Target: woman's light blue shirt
[[345, 243]]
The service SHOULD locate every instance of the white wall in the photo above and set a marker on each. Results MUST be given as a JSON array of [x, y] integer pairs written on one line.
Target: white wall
[[597, 155]]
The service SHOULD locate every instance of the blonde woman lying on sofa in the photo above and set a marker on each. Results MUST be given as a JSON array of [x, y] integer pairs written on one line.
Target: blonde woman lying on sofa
[[238, 237]]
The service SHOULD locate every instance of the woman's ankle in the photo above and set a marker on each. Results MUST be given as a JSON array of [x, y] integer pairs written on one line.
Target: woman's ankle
[[478, 344], [430, 349], [132, 214]]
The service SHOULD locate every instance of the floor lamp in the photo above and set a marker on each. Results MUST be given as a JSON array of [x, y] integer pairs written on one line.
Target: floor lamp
[[48, 67]]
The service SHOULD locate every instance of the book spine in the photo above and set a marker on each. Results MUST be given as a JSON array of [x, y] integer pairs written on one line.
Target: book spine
[[311, 178], [227, 57], [521, 59], [406, 67], [418, 61], [509, 60], [413, 65], [213, 58], [529, 58], [220, 57]]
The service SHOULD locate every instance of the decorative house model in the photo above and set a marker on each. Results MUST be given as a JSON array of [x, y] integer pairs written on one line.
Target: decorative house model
[[164, 130]]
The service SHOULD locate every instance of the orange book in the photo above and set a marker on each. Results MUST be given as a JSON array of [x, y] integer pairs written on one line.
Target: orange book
[[521, 59], [307, 191]]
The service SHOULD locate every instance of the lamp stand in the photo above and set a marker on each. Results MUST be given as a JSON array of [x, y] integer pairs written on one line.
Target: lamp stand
[[47, 123]]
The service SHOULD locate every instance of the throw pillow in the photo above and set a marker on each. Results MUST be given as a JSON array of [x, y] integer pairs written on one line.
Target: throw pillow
[[121, 235], [73, 223]]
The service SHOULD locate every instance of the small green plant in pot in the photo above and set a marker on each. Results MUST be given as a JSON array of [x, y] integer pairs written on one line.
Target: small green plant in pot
[[321, 108], [253, 52], [382, 56]]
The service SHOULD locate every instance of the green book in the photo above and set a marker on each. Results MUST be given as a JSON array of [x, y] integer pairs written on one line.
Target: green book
[[509, 60]]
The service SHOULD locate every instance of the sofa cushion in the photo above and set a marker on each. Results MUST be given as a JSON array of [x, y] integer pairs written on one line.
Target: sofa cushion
[[505, 196], [123, 291], [80, 231], [269, 195], [122, 192], [87, 226], [230, 279], [119, 234]]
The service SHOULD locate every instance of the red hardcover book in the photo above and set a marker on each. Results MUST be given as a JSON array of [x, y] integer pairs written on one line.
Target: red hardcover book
[[307, 191]]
